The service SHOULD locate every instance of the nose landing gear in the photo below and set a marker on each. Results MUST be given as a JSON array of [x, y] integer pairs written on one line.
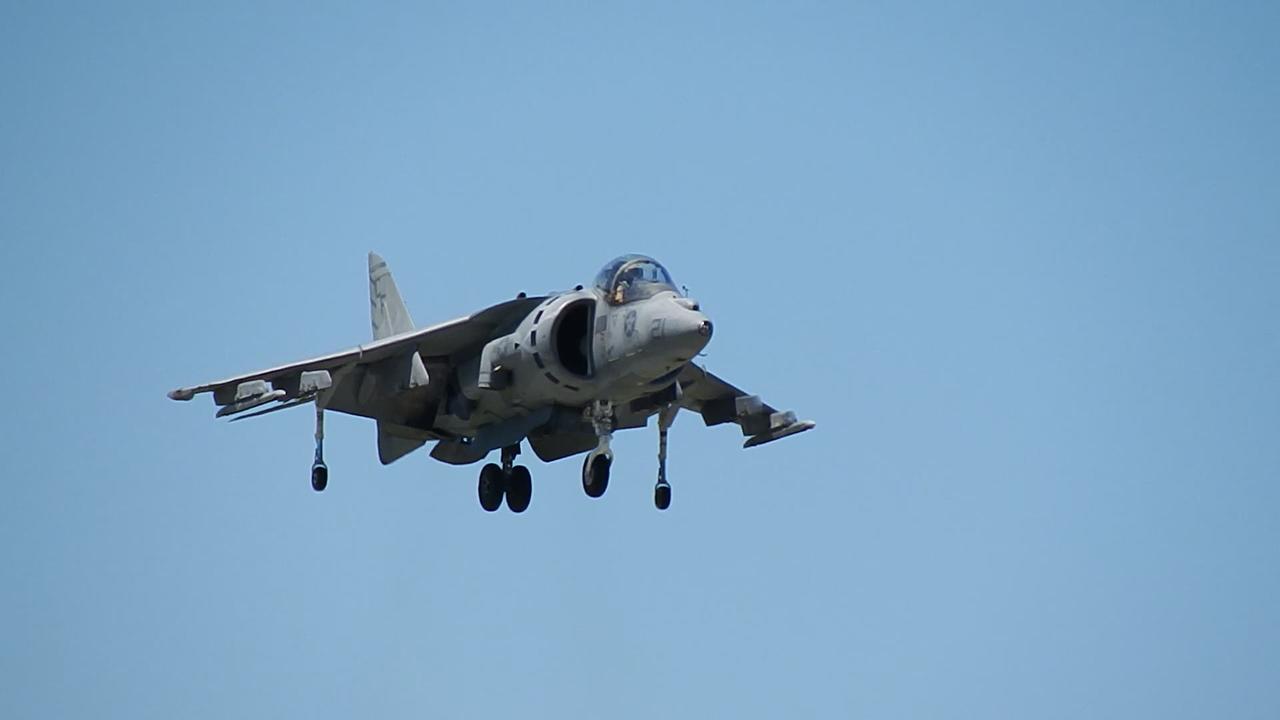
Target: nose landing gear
[[595, 474], [595, 468]]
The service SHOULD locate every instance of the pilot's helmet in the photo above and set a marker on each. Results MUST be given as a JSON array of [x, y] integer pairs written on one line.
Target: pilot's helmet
[[632, 274]]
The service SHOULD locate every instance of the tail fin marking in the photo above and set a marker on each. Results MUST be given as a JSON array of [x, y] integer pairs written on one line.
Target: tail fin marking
[[387, 312]]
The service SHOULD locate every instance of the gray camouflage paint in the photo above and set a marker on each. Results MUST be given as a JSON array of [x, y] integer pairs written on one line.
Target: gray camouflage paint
[[496, 378]]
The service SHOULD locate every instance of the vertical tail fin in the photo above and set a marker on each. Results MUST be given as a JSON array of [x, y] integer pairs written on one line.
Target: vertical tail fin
[[386, 309]]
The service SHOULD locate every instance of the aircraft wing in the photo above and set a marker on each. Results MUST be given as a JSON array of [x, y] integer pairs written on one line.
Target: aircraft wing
[[303, 381], [720, 402]]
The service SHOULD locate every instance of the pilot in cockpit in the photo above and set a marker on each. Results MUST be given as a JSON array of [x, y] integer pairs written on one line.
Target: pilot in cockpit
[[626, 280], [632, 277]]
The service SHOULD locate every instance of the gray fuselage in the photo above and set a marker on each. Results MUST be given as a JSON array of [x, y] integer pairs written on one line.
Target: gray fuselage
[[580, 347]]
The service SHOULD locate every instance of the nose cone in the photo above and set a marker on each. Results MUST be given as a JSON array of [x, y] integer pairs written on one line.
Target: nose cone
[[667, 332], [688, 331]]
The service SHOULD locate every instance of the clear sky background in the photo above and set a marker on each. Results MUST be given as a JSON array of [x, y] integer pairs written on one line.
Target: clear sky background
[[1022, 266]]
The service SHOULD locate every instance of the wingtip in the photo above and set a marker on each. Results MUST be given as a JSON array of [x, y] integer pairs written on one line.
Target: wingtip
[[182, 394], [374, 259], [794, 428]]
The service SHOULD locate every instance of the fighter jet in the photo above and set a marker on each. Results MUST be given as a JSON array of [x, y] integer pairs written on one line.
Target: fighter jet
[[562, 371]]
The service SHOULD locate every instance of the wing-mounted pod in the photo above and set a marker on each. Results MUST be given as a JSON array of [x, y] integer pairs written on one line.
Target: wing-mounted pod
[[759, 422], [720, 402], [289, 391], [245, 396], [780, 425]]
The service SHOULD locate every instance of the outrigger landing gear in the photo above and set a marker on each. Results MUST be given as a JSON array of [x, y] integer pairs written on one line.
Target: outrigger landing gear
[[662, 490], [595, 468], [509, 480], [319, 471]]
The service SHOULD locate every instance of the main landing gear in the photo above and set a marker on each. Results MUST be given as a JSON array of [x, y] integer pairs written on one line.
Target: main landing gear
[[511, 481], [319, 471]]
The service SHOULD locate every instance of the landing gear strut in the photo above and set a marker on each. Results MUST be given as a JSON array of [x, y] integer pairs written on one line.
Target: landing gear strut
[[662, 490], [319, 471], [509, 480], [595, 468]]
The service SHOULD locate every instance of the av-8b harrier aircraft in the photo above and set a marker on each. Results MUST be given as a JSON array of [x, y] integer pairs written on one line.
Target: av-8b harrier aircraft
[[563, 371]]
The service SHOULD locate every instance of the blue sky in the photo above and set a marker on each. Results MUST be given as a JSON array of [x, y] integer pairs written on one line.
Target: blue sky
[[1019, 263]]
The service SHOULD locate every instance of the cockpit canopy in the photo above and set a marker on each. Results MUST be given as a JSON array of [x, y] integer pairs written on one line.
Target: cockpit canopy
[[633, 277]]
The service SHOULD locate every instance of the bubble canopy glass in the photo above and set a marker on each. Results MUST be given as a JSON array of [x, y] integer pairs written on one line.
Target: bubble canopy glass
[[633, 277]]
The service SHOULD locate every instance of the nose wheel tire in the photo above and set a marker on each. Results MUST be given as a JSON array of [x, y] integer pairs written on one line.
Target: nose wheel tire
[[493, 483], [595, 475], [319, 477], [519, 489], [662, 496]]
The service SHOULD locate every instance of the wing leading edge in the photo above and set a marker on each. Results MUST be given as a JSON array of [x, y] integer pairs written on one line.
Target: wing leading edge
[[300, 382]]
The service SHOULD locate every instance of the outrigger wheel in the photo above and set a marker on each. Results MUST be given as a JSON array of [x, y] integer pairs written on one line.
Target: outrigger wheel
[[319, 476], [662, 496]]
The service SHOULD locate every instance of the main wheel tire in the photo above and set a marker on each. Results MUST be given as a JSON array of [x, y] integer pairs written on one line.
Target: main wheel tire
[[662, 496], [319, 477], [595, 475], [519, 489], [493, 483]]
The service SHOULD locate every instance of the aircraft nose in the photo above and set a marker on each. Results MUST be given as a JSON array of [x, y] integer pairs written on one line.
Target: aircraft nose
[[686, 328], [694, 330]]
